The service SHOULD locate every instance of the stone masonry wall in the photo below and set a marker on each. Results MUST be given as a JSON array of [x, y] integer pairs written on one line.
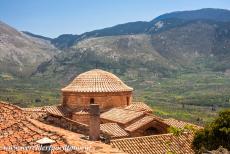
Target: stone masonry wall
[[105, 100], [67, 124]]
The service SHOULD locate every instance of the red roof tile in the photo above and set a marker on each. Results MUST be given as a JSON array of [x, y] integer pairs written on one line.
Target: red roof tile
[[139, 123], [35, 109], [156, 144], [17, 129], [180, 124], [56, 110], [121, 116], [114, 130], [97, 81], [139, 106]]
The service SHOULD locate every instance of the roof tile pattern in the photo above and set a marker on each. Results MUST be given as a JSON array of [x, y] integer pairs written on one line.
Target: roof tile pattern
[[97, 81], [56, 110], [139, 123], [17, 129], [35, 109], [139, 106], [121, 116], [114, 130], [156, 144], [180, 124]]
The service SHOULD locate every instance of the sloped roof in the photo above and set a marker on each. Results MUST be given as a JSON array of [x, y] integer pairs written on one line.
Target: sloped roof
[[121, 116], [55, 110], [17, 129], [114, 130], [156, 144], [139, 106], [180, 124], [139, 123], [35, 109], [97, 80]]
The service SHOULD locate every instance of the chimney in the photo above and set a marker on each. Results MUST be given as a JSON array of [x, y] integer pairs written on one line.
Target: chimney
[[45, 145], [94, 126]]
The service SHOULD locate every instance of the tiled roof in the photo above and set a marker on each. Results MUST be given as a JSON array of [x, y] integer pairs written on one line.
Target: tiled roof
[[121, 116], [35, 109], [114, 130], [97, 81], [156, 144], [139, 106], [17, 129], [56, 110], [180, 124], [139, 123]]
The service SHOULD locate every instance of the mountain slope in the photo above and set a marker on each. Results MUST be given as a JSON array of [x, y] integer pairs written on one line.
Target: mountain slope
[[20, 54], [195, 46], [37, 36], [128, 55], [159, 24], [202, 14]]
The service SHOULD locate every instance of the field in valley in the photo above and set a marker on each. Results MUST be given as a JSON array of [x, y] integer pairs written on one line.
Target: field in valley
[[195, 97]]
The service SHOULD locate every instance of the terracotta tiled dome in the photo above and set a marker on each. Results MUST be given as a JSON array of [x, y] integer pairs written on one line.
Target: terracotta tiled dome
[[97, 81]]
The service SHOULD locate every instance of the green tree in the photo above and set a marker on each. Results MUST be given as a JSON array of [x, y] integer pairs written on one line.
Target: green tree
[[177, 132], [215, 134]]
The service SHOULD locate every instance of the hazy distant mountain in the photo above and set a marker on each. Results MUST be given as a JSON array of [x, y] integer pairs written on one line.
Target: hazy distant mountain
[[167, 44], [20, 54]]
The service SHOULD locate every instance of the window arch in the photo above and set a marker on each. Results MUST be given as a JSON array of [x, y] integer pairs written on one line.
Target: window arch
[[91, 100], [127, 100]]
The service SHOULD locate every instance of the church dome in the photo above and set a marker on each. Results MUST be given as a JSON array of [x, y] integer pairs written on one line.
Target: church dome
[[97, 80]]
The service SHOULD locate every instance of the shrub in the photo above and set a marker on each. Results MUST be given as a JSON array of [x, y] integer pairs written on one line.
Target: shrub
[[215, 134]]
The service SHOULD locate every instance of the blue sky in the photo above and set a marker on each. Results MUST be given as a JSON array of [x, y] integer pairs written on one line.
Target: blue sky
[[54, 17]]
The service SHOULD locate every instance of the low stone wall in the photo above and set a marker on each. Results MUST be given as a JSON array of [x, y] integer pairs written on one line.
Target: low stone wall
[[81, 118], [67, 124]]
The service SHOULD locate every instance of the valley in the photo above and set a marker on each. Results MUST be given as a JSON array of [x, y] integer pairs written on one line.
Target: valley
[[178, 63], [194, 97]]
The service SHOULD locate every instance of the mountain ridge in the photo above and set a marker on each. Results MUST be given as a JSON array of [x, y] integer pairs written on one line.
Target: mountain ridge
[[139, 27], [171, 45], [163, 40]]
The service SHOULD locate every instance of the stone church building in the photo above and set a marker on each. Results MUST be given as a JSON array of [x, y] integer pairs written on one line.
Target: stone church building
[[120, 116], [95, 106]]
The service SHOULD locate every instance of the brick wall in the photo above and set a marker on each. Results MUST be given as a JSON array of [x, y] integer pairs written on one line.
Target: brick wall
[[105, 100]]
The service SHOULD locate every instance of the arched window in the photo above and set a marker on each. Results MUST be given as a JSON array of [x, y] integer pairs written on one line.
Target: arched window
[[91, 100], [127, 100]]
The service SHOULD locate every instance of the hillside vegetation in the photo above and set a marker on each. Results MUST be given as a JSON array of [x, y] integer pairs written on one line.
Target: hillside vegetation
[[179, 63]]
